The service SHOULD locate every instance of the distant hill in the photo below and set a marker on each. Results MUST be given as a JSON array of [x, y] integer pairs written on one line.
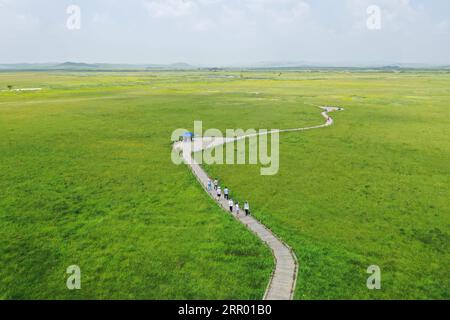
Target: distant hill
[[75, 65], [262, 66], [181, 65], [25, 66], [110, 66], [81, 66], [280, 64]]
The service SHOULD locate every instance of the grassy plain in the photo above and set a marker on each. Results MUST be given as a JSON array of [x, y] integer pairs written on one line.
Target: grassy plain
[[86, 179], [372, 190]]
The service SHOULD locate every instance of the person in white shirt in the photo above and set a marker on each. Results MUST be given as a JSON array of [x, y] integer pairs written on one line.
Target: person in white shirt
[[237, 208], [247, 208], [231, 204], [219, 192], [226, 193], [216, 184]]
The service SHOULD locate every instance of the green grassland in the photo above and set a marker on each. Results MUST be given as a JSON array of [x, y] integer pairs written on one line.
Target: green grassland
[[87, 179], [372, 190]]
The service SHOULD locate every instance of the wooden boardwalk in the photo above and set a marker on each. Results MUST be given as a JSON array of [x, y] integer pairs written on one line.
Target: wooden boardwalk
[[283, 280]]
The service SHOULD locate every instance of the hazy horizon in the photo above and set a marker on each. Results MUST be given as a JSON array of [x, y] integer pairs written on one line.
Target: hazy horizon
[[256, 64], [226, 33]]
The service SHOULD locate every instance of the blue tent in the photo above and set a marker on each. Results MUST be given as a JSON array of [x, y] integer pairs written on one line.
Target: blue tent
[[188, 135]]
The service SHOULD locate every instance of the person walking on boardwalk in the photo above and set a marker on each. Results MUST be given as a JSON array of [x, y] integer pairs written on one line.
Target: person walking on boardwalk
[[246, 208], [219, 193], [226, 193], [209, 184], [216, 184], [237, 208], [231, 204]]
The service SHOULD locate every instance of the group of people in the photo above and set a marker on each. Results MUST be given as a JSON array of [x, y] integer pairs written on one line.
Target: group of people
[[234, 206]]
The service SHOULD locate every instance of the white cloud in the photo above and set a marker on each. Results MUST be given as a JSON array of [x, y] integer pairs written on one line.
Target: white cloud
[[444, 25], [226, 30], [301, 9], [170, 8], [203, 25], [267, 11], [101, 18]]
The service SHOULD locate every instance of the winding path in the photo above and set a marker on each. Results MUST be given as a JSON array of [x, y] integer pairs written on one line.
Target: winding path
[[283, 280]]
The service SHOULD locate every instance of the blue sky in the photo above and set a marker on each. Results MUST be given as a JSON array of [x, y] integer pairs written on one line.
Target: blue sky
[[225, 32]]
